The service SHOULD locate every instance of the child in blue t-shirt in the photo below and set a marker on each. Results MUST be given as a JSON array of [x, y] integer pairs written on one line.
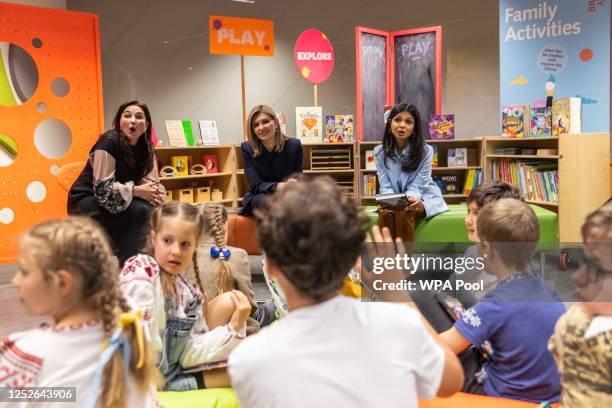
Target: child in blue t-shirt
[[517, 317]]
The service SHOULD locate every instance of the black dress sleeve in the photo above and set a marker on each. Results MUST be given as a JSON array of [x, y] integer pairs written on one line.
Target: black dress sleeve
[[256, 184]]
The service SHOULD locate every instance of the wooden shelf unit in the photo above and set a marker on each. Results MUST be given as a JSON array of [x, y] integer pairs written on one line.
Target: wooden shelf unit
[[224, 179], [583, 174]]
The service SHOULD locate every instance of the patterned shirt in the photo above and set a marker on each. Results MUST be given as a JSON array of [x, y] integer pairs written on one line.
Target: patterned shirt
[[582, 346]]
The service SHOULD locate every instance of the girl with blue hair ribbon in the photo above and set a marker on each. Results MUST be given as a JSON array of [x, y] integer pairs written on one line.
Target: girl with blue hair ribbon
[[67, 271]]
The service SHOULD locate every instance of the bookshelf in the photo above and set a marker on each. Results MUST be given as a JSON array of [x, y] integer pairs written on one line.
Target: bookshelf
[[224, 179], [582, 175], [366, 189]]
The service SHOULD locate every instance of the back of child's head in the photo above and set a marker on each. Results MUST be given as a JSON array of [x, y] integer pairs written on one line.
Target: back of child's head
[[186, 212], [215, 218], [312, 232], [510, 226], [492, 191], [79, 246], [597, 226]]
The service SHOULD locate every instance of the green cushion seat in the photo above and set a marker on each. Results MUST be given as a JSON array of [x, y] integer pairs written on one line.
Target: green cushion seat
[[449, 226], [210, 398]]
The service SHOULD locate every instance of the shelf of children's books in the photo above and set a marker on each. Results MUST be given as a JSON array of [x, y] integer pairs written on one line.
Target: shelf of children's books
[[191, 147], [521, 156], [519, 139], [195, 176], [329, 144], [475, 140], [455, 168], [324, 171], [546, 203]]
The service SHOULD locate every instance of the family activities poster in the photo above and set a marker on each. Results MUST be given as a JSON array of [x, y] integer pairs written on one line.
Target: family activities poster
[[559, 46]]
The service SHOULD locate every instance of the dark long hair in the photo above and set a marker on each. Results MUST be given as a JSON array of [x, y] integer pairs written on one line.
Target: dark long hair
[[127, 152], [416, 141]]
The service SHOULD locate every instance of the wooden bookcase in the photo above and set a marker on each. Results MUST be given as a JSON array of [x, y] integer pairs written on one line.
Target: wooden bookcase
[[442, 169], [582, 161], [224, 179]]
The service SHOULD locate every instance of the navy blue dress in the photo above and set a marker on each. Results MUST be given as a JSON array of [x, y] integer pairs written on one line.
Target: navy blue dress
[[264, 172]]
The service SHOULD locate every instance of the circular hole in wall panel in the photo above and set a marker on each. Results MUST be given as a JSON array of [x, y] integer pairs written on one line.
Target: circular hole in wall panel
[[54, 169], [8, 150], [52, 138], [60, 87], [36, 191], [41, 107], [18, 76], [7, 215], [36, 42]]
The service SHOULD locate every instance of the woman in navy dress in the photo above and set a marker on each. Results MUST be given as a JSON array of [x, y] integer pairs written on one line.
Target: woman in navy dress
[[269, 157]]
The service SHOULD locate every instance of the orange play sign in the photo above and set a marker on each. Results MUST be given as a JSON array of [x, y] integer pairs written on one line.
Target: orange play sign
[[242, 36]]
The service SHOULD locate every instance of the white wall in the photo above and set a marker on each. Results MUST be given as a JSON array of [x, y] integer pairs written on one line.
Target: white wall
[[137, 64], [56, 4]]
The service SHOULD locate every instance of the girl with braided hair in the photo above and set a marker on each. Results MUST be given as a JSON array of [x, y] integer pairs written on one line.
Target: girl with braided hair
[[186, 331], [223, 268], [67, 271]]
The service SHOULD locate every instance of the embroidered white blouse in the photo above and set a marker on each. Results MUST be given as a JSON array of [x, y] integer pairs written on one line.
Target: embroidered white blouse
[[141, 284], [52, 357]]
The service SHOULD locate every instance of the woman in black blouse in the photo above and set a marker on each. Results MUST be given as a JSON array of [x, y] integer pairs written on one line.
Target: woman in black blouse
[[269, 157], [119, 186]]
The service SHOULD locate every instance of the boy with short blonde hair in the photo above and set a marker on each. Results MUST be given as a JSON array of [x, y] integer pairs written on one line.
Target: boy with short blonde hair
[[517, 317]]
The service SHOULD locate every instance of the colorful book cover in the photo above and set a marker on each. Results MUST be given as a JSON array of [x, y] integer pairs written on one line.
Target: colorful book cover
[[541, 121], [442, 127], [566, 116], [434, 160], [449, 184], [513, 121], [370, 161], [176, 133], [210, 163], [209, 132], [339, 129], [188, 133], [308, 124]]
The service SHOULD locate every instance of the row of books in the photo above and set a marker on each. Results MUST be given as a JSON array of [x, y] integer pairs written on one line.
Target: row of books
[[180, 133], [540, 120], [472, 179], [368, 185], [537, 181]]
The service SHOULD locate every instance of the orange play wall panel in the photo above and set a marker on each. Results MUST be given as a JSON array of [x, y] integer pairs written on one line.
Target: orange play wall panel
[[70, 49]]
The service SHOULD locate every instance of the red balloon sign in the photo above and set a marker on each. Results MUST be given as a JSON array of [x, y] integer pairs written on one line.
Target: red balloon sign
[[314, 56]]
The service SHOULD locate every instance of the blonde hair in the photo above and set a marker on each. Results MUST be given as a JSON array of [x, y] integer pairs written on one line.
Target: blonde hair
[[511, 227], [187, 212], [79, 246], [598, 224], [215, 217], [279, 138]]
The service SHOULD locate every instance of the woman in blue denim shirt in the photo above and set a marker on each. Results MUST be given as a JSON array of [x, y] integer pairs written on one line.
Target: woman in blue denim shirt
[[403, 162]]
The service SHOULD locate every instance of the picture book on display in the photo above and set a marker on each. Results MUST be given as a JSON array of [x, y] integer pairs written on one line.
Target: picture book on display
[[514, 119], [370, 161], [179, 133], [339, 129], [449, 184], [309, 124], [442, 127], [209, 132], [541, 120], [566, 116]]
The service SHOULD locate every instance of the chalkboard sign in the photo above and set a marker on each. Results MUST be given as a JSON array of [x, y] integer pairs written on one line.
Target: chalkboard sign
[[372, 75], [416, 71]]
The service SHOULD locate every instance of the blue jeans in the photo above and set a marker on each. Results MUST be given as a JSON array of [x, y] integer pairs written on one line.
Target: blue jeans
[[176, 337]]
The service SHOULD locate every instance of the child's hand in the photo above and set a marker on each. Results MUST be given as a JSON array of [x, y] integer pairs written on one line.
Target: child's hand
[[242, 310]]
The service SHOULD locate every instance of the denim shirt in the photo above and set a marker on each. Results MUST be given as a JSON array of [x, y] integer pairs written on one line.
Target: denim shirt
[[418, 183]]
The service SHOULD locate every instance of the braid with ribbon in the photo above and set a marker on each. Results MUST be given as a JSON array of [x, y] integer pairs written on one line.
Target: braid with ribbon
[[78, 245], [215, 217]]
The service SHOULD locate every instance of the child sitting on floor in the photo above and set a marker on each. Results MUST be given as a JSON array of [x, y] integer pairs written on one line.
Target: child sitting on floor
[[517, 317], [67, 271], [186, 331], [224, 268], [582, 343], [332, 350]]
